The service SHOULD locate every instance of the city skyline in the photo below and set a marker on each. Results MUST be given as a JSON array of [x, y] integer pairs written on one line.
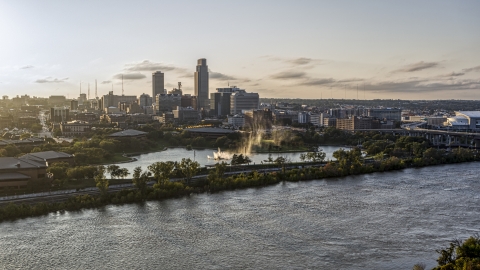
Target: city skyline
[[310, 49]]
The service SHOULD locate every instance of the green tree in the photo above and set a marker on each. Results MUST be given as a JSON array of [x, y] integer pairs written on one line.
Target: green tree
[[460, 255], [101, 181], [162, 171], [281, 161], [188, 168], [113, 170], [140, 179], [217, 173]]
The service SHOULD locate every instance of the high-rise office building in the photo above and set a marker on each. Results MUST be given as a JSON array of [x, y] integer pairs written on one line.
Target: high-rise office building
[[201, 84], [158, 83], [241, 100]]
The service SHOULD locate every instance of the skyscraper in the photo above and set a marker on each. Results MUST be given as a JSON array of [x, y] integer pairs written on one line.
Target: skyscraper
[[158, 83], [201, 84]]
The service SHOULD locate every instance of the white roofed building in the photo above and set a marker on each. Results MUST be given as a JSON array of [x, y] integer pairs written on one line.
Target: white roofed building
[[464, 120]]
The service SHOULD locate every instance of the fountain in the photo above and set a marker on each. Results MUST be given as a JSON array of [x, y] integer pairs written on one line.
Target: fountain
[[219, 155]]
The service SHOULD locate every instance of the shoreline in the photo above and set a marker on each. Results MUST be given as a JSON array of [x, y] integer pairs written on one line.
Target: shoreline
[[241, 180]]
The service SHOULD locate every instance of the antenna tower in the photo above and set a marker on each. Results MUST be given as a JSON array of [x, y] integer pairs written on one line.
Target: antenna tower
[[96, 95], [122, 84], [88, 97]]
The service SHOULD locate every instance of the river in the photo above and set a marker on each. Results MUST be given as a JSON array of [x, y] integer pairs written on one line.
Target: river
[[201, 156], [378, 221]]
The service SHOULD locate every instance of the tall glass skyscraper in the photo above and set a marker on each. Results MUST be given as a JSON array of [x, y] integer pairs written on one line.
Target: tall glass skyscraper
[[201, 84]]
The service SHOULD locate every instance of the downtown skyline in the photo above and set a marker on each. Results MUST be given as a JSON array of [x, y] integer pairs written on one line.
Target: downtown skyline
[[308, 49]]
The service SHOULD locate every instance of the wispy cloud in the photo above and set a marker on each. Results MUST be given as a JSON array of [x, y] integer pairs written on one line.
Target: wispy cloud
[[130, 76], [300, 61], [27, 67], [287, 75], [318, 82], [106, 82], [220, 76], [418, 66], [147, 65], [477, 68], [453, 74], [423, 85], [51, 80]]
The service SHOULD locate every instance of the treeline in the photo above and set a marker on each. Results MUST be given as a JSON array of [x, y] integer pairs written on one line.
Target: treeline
[[347, 163]]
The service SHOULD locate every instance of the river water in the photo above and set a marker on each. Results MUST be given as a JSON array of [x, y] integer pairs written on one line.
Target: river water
[[377, 221], [201, 156]]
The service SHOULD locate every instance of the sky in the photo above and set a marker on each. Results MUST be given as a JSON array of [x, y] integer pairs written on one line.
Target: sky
[[280, 49]]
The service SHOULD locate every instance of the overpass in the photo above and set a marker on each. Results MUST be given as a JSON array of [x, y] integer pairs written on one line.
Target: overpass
[[444, 138]]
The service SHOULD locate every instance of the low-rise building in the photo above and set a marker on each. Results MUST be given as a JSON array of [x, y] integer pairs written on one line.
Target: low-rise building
[[49, 157], [75, 128], [186, 115], [237, 120], [16, 172]]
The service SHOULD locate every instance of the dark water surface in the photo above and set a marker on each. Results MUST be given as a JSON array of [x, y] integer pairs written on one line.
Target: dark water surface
[[378, 221]]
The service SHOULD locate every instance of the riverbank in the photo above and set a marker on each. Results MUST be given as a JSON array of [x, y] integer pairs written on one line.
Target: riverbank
[[217, 181]]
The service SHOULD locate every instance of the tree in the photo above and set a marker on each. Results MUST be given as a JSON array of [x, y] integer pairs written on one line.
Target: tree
[[217, 173], [101, 181], [188, 168], [314, 156], [162, 171], [281, 161], [123, 172], [460, 255], [113, 170], [140, 179]]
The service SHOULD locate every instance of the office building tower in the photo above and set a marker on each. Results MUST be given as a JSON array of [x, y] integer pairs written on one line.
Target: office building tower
[[220, 101], [201, 84], [167, 102], [158, 83], [145, 100], [59, 115], [241, 100]]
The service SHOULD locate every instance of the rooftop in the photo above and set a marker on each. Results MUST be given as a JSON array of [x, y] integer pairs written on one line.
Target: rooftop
[[128, 133], [473, 114], [210, 130], [8, 163], [47, 155]]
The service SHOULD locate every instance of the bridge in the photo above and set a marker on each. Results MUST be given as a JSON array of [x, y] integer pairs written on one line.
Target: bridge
[[443, 138]]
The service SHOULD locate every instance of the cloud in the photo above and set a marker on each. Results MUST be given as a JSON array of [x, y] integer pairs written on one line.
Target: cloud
[[477, 68], [130, 76], [106, 82], [146, 65], [350, 80], [300, 61], [220, 76], [318, 82], [418, 66], [27, 67], [286, 75], [423, 85], [453, 74], [51, 80]]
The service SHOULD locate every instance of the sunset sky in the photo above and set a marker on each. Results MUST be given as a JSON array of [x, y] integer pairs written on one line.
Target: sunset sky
[[292, 49]]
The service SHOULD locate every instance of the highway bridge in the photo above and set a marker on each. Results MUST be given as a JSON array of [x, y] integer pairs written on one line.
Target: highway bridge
[[444, 138]]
